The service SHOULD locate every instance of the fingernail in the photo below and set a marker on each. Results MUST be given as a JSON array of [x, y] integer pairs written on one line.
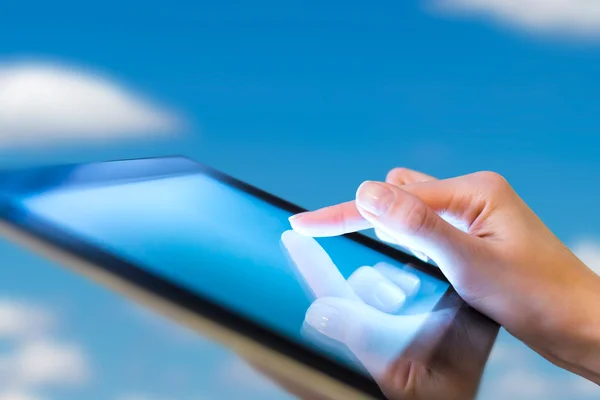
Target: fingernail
[[390, 297], [374, 197], [295, 217], [406, 281], [325, 319]]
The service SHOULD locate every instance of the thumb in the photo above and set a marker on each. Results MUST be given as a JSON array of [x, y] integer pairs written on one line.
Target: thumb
[[412, 222]]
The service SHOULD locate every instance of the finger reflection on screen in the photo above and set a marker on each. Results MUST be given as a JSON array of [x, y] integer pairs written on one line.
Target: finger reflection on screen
[[406, 353]]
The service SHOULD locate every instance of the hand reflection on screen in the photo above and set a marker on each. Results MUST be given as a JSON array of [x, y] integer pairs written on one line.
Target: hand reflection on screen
[[440, 354]]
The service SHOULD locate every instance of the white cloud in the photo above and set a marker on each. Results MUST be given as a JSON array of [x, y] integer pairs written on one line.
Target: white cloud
[[49, 363], [527, 382], [45, 102], [34, 359], [517, 372], [20, 320], [141, 396], [138, 396], [523, 384], [13, 395], [588, 251], [44, 362], [582, 388], [580, 18]]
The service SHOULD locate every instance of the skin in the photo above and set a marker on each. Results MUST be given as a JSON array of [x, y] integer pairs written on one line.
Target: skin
[[499, 256]]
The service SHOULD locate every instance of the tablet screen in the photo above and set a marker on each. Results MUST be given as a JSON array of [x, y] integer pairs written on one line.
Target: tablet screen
[[230, 246]]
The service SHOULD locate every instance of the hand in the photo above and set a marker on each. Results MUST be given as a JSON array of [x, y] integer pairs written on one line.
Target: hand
[[410, 356], [495, 251]]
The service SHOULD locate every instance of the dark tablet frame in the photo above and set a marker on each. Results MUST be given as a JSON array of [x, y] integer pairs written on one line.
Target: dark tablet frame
[[16, 184]]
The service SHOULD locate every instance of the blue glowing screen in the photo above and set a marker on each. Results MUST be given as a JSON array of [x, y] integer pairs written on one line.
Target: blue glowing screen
[[216, 240]]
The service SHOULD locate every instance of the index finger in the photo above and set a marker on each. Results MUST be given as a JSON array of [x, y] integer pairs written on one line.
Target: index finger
[[330, 221], [345, 217]]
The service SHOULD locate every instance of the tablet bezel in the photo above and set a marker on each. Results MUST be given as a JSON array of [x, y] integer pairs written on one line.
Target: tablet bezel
[[128, 278]]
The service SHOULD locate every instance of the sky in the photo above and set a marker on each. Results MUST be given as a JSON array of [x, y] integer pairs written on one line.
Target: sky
[[305, 100]]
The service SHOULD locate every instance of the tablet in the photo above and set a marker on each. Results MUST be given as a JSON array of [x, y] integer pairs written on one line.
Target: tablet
[[218, 255]]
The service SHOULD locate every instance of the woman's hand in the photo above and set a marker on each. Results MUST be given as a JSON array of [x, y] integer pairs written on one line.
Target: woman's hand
[[495, 251]]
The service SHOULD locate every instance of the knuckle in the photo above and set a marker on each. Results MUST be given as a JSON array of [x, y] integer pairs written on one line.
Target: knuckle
[[398, 175], [400, 377], [338, 215], [342, 217], [493, 182], [417, 218]]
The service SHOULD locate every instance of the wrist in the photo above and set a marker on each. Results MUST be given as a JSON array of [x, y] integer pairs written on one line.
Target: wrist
[[578, 339]]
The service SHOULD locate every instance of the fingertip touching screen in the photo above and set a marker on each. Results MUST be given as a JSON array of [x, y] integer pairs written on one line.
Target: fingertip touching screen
[[336, 296]]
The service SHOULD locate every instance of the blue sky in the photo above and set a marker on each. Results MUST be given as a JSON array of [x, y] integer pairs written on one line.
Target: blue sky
[[307, 99]]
